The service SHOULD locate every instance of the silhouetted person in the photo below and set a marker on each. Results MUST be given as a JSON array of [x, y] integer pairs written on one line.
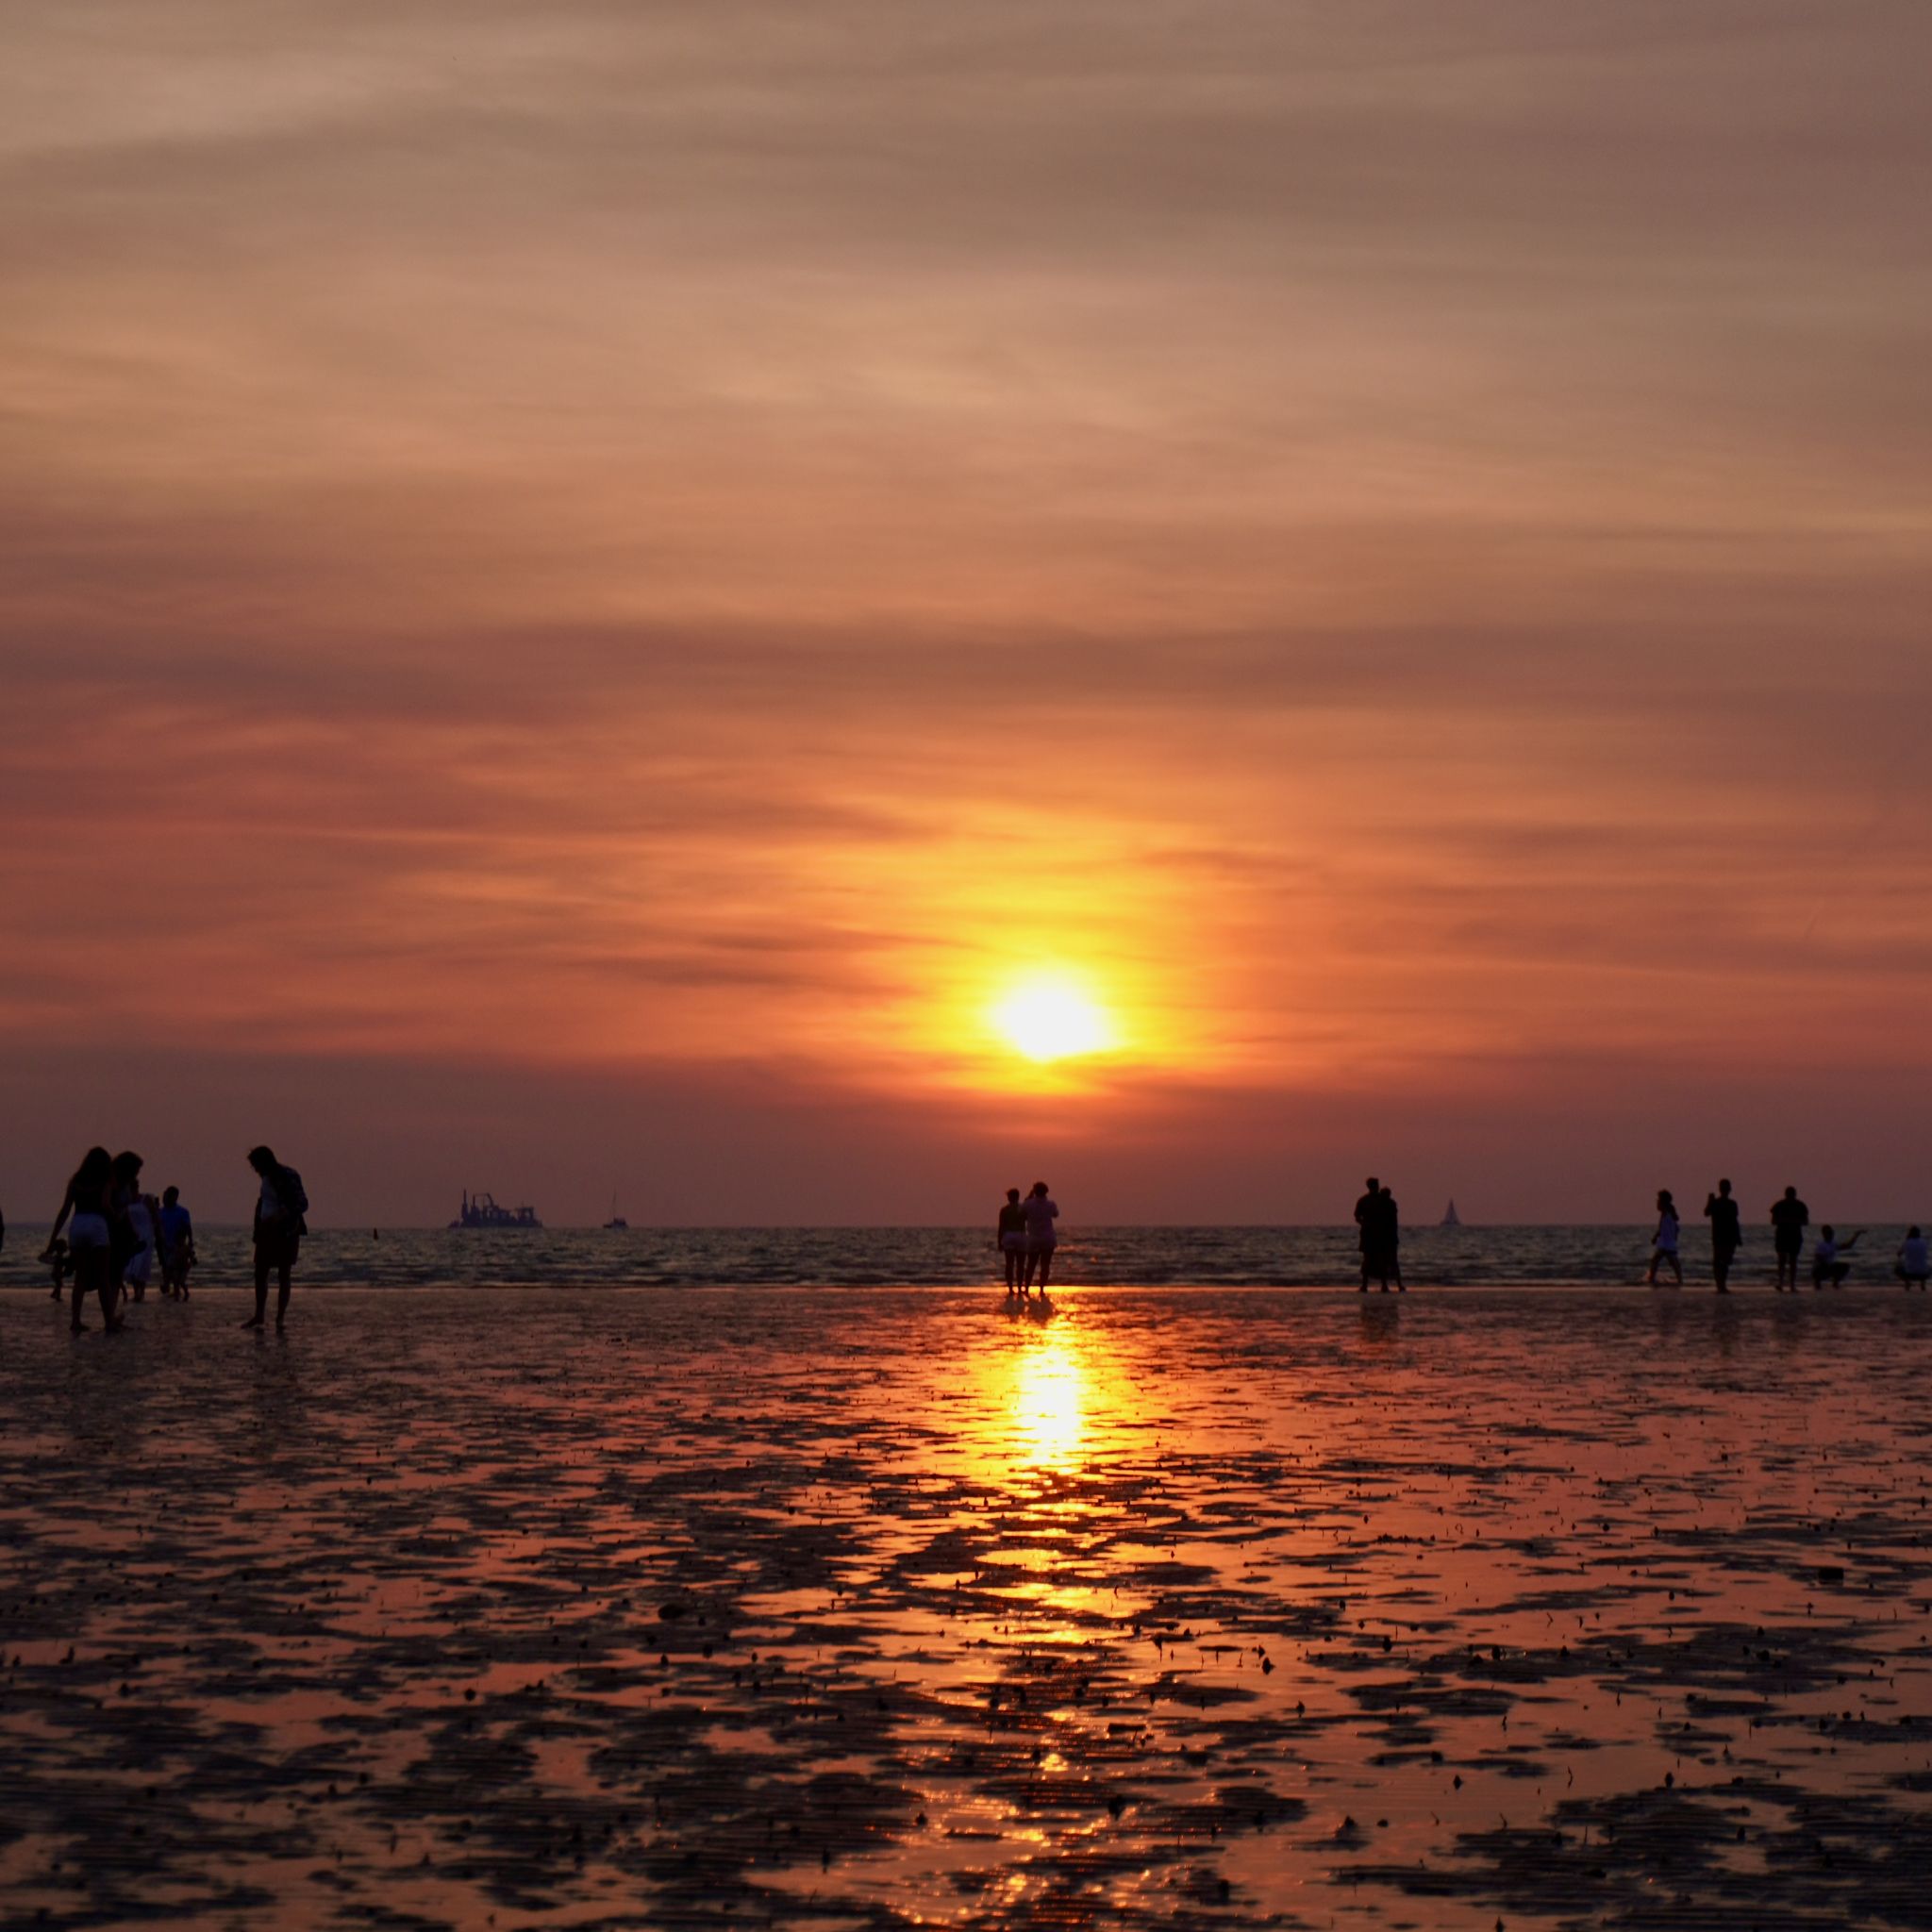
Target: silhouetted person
[[57, 1259], [132, 1216], [1663, 1244], [278, 1231], [178, 1244], [84, 1213], [1790, 1218], [1826, 1269], [1012, 1239], [1040, 1215], [1380, 1237], [1914, 1264], [1726, 1235]]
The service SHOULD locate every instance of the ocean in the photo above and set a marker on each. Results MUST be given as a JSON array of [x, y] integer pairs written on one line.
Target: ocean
[[1432, 1258]]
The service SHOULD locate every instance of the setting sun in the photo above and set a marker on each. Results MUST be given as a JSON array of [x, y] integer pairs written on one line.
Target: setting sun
[[1053, 1020]]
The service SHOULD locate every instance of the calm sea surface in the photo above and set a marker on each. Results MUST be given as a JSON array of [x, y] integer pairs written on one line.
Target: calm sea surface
[[960, 1257]]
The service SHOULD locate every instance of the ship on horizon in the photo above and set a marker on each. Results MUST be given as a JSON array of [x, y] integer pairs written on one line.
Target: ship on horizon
[[482, 1211]]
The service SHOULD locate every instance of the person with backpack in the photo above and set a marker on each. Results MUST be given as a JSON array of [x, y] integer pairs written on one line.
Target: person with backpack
[[278, 1231]]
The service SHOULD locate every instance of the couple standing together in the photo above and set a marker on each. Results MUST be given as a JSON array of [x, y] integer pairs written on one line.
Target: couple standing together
[[1027, 1239]]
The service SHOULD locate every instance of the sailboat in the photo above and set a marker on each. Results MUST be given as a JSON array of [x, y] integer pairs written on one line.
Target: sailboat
[[1450, 1217], [617, 1222]]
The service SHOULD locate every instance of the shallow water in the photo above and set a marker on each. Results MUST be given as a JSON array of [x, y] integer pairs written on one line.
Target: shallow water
[[962, 1257], [748, 1607]]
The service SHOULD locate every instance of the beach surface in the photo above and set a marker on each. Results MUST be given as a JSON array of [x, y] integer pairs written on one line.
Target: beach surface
[[601, 1607]]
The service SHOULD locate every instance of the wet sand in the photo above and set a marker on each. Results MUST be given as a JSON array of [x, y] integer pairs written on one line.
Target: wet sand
[[1229, 1607]]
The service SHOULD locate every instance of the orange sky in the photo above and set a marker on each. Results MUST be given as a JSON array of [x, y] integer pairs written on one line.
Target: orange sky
[[582, 588]]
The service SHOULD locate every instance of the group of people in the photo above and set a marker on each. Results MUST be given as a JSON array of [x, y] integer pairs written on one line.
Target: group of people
[[110, 1236], [1790, 1218], [1027, 1239]]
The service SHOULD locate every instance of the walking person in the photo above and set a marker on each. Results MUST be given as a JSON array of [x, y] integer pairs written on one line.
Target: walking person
[[1914, 1264], [278, 1231], [1664, 1245], [1041, 1214], [84, 1215], [1826, 1269], [1726, 1235], [1012, 1239], [1790, 1218]]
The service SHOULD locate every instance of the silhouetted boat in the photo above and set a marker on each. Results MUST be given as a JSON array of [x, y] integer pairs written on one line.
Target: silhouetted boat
[[617, 1224], [1450, 1217], [480, 1210]]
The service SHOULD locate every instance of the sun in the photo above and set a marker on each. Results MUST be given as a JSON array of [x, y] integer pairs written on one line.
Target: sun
[[1053, 1020]]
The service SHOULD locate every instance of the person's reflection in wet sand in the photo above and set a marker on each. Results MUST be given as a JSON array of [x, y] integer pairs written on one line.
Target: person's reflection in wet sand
[[1725, 1323]]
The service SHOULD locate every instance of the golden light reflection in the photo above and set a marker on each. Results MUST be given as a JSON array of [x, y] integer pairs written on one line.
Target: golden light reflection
[[1047, 1407]]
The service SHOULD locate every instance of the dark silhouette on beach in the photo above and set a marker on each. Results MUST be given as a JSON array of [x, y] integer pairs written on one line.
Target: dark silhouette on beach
[[1726, 1235], [1041, 1214], [132, 1219], [1914, 1264], [278, 1230], [1380, 1236], [1790, 1218], [1011, 1236], [1827, 1271], [176, 1236], [1663, 1244], [85, 1214]]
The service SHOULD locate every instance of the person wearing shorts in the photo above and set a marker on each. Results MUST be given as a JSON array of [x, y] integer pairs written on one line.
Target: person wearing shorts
[[1040, 1215], [1012, 1239], [84, 1213], [1914, 1264], [1827, 1271], [1790, 1218], [1664, 1241]]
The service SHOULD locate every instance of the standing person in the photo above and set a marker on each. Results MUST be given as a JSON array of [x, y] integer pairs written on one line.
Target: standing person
[[1012, 1239], [1381, 1239], [1041, 1214], [1726, 1235], [1790, 1218], [278, 1231], [84, 1215], [1826, 1265], [178, 1244], [1664, 1242], [1366, 1210], [1914, 1264]]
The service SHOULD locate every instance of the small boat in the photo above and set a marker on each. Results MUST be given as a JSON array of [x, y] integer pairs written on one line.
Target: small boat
[[617, 1224], [482, 1211], [1450, 1217]]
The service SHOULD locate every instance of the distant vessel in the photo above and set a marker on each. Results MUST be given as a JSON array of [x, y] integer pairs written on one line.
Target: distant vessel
[[480, 1210], [1450, 1217], [617, 1224]]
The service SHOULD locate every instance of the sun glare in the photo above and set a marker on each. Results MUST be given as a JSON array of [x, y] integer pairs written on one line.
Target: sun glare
[[1052, 1020]]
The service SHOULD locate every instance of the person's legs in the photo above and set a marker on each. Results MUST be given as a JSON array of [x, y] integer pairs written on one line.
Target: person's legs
[[283, 1269], [91, 1274], [1046, 1269], [1677, 1268], [261, 1264], [1721, 1268]]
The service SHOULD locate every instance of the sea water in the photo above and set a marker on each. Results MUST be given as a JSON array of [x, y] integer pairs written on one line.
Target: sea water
[[1432, 1258]]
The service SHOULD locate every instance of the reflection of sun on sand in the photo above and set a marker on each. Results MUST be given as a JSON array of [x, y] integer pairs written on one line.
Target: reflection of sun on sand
[[1046, 1406]]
